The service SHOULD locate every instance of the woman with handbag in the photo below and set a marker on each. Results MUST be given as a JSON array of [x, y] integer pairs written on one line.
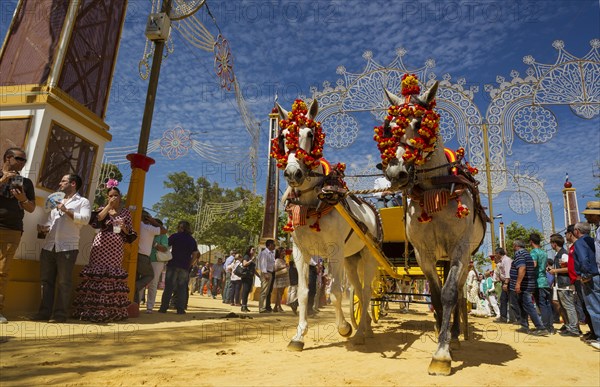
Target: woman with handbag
[[282, 279], [102, 295], [248, 280], [236, 281]]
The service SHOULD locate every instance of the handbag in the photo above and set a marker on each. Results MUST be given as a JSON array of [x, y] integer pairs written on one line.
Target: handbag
[[95, 222], [129, 238], [163, 256], [242, 272]]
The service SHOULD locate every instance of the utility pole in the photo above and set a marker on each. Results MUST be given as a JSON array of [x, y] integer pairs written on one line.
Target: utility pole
[[159, 25]]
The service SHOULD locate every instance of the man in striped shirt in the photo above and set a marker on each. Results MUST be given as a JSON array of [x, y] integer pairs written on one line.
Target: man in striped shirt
[[523, 281]]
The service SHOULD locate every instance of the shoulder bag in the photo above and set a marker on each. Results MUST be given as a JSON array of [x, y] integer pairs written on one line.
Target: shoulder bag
[[163, 256], [129, 238], [243, 272]]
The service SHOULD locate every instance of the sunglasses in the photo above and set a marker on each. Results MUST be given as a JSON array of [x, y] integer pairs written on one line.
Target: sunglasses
[[21, 159]]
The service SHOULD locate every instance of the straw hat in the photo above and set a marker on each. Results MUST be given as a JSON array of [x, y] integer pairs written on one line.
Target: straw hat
[[593, 208]]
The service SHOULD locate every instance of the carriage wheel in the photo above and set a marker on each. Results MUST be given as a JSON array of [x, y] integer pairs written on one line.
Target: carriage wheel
[[378, 289], [376, 310], [355, 309]]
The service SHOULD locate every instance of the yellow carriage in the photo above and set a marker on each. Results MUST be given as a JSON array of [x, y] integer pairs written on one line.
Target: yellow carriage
[[396, 262]]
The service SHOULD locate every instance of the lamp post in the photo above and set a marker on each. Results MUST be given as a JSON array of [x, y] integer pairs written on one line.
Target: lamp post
[[140, 163], [488, 174]]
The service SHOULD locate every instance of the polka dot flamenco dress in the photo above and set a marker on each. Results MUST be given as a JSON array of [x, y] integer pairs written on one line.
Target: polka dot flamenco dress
[[102, 295]]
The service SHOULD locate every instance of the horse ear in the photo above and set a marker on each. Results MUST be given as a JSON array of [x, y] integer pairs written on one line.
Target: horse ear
[[283, 114], [392, 98], [429, 95], [313, 109]]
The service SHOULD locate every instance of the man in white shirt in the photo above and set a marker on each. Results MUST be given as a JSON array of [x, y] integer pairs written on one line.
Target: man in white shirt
[[149, 228], [60, 249], [266, 266], [503, 263]]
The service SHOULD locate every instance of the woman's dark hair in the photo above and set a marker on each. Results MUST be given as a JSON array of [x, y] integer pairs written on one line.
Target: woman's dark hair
[[248, 250], [114, 189]]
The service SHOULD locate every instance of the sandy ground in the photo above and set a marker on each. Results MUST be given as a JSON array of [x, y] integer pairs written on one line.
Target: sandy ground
[[206, 348]]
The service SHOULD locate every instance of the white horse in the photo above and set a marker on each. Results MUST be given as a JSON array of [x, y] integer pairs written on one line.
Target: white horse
[[414, 160], [318, 229]]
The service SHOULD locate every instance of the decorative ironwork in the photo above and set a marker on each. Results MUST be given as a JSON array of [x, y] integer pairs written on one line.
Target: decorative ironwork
[[535, 124], [569, 81], [342, 130], [529, 194], [224, 63], [521, 202], [175, 143], [181, 9]]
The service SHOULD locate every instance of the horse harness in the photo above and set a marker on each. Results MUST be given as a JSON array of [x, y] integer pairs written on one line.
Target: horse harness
[[331, 191], [447, 187]]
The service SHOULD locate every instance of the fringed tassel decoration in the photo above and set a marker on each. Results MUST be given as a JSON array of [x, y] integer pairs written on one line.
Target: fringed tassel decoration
[[424, 218], [462, 211], [315, 226]]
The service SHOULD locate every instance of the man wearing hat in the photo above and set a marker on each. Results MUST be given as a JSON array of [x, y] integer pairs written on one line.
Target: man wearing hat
[[592, 215]]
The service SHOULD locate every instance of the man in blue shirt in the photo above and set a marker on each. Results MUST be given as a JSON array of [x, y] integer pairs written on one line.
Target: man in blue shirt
[[523, 283], [184, 250], [584, 259]]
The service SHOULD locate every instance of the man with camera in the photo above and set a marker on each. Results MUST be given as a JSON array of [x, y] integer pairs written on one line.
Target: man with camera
[[60, 250], [17, 195]]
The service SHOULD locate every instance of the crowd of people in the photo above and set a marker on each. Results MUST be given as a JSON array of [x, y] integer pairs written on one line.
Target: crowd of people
[[531, 286], [275, 271]]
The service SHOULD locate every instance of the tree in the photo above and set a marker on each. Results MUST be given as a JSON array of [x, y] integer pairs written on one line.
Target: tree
[[236, 229], [480, 261], [516, 231]]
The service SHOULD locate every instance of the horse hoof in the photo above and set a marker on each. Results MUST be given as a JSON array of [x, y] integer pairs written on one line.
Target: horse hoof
[[439, 367], [296, 346], [455, 344], [348, 331]]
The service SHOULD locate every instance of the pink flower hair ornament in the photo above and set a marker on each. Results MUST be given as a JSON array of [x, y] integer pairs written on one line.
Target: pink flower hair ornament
[[111, 183]]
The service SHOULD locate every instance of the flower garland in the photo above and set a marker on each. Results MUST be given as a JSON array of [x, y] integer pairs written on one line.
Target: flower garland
[[410, 85], [297, 119], [419, 147]]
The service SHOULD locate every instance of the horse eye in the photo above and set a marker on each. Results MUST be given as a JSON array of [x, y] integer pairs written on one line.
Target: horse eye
[[310, 134]]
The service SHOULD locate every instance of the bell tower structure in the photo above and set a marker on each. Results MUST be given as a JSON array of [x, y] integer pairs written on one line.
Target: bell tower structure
[[570, 201]]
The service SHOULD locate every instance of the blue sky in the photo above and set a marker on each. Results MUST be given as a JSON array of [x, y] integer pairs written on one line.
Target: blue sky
[[287, 47]]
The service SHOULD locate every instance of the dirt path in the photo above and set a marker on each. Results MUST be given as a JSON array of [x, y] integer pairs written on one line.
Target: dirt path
[[204, 348]]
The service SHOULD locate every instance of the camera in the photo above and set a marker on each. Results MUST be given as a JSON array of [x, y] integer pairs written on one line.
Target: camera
[[16, 182]]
